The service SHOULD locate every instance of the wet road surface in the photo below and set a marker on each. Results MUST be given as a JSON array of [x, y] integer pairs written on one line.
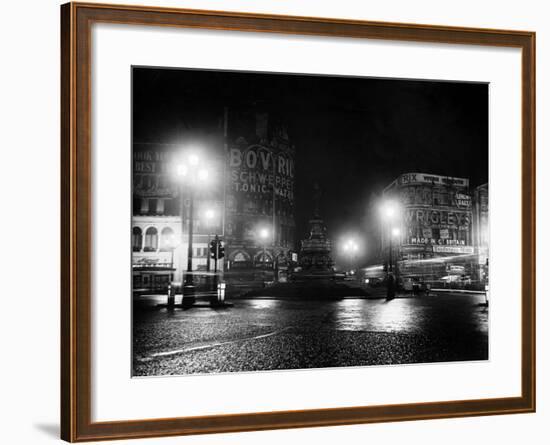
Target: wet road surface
[[270, 334]]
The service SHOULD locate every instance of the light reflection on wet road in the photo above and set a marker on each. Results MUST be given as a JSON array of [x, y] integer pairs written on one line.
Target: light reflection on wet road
[[288, 334], [419, 315]]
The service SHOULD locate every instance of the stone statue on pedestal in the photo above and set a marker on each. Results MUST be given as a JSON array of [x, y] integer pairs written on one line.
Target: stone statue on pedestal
[[315, 258]]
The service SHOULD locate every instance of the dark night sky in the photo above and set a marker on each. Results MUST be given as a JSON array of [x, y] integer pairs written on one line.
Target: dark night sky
[[353, 135]]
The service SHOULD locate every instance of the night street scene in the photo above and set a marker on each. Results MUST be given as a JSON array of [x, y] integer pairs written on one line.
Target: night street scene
[[298, 221]]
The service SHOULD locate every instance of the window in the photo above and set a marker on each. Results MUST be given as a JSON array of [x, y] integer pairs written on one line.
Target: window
[[153, 206], [136, 205], [144, 207], [200, 252], [151, 240], [263, 257], [136, 239], [239, 257]]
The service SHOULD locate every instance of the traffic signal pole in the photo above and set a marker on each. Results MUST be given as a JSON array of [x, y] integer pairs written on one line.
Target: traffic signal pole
[[217, 251], [216, 258]]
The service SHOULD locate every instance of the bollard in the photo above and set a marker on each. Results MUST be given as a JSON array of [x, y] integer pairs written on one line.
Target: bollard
[[221, 293], [218, 297]]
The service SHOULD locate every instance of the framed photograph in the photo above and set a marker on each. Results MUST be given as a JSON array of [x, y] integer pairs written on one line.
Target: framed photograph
[[276, 222]]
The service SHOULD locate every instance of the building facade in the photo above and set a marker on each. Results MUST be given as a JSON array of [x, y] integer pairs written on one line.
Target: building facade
[[259, 193], [250, 190], [480, 213], [437, 233], [160, 217]]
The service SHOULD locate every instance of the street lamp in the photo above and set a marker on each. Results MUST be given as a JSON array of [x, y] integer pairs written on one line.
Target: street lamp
[[351, 248], [209, 214], [191, 175], [389, 210]]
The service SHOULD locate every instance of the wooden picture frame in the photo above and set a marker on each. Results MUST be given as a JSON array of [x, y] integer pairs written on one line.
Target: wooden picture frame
[[76, 221]]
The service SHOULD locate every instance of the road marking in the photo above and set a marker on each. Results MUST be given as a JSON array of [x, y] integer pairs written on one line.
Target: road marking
[[210, 345]]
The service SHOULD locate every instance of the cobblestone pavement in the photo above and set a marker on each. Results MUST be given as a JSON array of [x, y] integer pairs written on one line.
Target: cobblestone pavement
[[275, 334]]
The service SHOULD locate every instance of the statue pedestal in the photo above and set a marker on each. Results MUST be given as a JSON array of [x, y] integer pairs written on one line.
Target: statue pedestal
[[316, 279], [315, 262]]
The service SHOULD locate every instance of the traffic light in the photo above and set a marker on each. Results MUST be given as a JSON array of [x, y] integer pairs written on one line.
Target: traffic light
[[217, 249], [213, 248]]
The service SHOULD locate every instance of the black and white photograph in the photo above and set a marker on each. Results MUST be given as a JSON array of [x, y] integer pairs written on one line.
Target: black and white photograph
[[297, 221], [243, 223]]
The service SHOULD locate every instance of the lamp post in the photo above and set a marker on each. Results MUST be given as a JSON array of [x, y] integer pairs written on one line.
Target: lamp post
[[395, 232], [264, 235], [392, 280], [191, 175], [170, 244], [390, 213]]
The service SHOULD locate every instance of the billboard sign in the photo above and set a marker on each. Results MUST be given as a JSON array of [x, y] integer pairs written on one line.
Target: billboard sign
[[151, 172], [258, 170], [454, 249], [435, 218], [423, 178], [462, 200]]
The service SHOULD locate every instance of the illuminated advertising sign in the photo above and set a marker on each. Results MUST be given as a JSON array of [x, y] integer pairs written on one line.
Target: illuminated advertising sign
[[454, 249], [439, 228], [259, 170], [435, 218], [438, 241], [462, 200], [152, 172], [455, 269], [423, 178]]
